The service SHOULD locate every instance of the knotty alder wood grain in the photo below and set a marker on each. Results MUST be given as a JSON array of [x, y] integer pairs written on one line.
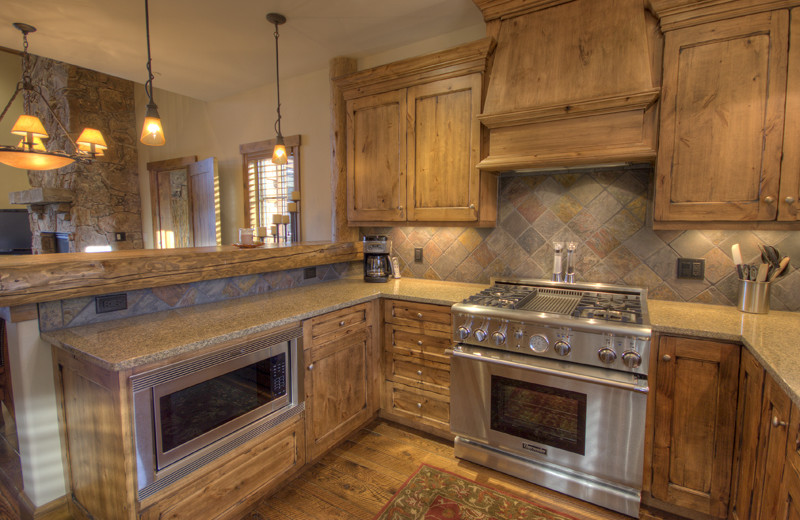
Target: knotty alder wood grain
[[339, 67], [42, 278]]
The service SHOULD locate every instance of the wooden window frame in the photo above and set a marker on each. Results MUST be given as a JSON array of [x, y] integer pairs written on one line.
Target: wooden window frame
[[261, 150]]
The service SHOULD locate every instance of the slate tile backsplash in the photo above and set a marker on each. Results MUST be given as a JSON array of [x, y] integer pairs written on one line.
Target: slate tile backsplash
[[605, 212]]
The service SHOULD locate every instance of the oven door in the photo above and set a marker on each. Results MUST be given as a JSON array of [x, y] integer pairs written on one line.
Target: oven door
[[585, 419]]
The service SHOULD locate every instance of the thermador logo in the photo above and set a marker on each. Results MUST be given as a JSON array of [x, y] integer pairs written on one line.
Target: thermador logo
[[534, 448]]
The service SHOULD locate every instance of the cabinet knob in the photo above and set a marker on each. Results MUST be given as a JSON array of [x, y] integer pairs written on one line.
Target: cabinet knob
[[777, 422], [419, 342], [341, 323], [400, 207], [472, 206], [311, 366], [419, 315], [769, 199], [789, 200], [666, 357], [419, 405], [419, 372]]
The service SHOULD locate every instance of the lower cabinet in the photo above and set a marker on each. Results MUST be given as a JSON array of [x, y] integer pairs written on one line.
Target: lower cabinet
[[790, 484], [416, 367], [693, 424], [340, 386]]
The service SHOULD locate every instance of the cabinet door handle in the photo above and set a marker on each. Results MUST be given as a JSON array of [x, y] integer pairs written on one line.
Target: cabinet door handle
[[341, 323], [419, 405], [666, 357], [777, 422], [789, 200], [400, 207], [419, 372], [472, 206], [419, 343], [419, 315], [769, 199]]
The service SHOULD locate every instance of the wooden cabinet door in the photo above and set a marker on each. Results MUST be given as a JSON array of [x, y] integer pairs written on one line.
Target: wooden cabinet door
[[442, 149], [376, 157], [337, 384], [748, 422], [722, 119], [695, 412], [775, 410], [790, 483], [789, 197]]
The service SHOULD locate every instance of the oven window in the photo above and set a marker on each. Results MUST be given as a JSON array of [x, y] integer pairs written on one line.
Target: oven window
[[539, 413], [195, 410]]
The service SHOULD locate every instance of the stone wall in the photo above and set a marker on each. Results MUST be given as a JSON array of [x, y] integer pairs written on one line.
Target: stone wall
[[106, 192]]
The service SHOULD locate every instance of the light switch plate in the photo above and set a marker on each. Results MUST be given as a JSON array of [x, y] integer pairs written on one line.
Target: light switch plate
[[691, 268]]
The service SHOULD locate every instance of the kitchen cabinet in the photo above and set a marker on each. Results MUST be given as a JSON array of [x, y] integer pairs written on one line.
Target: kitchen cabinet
[[413, 141], [693, 424], [790, 483], [340, 375], [727, 118], [417, 369]]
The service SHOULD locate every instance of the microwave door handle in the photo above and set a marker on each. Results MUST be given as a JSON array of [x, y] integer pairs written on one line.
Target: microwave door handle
[[640, 387]]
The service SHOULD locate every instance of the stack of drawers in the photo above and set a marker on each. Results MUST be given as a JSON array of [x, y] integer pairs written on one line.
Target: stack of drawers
[[417, 391]]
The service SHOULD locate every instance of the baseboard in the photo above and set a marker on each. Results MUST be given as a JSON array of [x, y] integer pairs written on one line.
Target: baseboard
[[57, 509]]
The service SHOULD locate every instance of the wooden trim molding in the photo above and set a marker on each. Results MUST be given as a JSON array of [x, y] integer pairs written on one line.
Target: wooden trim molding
[[458, 61], [495, 9], [676, 14], [57, 509], [41, 278]]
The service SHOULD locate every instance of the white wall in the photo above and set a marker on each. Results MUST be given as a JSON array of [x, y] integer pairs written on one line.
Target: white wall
[[11, 179], [217, 128]]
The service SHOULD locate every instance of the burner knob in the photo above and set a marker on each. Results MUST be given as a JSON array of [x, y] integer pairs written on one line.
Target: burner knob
[[539, 343], [632, 359], [607, 355], [463, 332], [498, 337], [562, 348], [480, 334]]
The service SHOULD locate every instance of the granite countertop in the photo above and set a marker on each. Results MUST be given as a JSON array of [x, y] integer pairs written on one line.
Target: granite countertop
[[772, 338], [132, 342]]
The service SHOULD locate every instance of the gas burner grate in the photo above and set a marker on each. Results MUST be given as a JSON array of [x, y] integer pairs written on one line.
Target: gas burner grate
[[553, 301]]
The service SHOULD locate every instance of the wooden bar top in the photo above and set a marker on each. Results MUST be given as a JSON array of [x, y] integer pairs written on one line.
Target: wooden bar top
[[39, 278]]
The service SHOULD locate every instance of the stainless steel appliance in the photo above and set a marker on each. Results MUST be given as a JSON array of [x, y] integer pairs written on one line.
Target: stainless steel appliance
[[377, 266], [549, 384], [190, 413]]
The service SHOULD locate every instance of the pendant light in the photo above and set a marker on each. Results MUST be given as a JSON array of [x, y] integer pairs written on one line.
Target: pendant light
[[279, 150], [31, 153], [152, 131]]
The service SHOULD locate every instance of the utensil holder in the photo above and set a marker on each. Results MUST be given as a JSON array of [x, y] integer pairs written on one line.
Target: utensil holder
[[753, 297]]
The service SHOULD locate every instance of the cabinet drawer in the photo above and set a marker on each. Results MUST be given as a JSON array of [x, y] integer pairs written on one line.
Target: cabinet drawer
[[426, 375], [422, 404], [338, 323], [410, 343], [422, 315]]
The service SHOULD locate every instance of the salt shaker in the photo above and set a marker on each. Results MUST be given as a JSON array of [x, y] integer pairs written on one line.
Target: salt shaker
[[558, 247], [570, 274]]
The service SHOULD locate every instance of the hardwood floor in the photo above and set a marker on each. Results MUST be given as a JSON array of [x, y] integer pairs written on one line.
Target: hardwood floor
[[356, 479]]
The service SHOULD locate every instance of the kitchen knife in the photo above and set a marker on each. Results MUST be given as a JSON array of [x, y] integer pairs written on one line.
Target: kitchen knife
[[763, 270], [736, 253]]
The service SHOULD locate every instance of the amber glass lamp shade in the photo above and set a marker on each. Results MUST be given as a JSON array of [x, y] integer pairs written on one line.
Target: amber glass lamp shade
[[34, 160], [279, 152], [152, 131], [91, 142]]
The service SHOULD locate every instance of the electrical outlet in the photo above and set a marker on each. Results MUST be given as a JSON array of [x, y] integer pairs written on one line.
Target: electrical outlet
[[418, 255], [119, 236], [309, 272], [691, 268], [110, 303]]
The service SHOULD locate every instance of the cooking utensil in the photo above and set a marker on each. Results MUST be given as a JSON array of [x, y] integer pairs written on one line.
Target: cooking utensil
[[745, 272], [736, 253], [780, 270], [762, 272], [773, 255]]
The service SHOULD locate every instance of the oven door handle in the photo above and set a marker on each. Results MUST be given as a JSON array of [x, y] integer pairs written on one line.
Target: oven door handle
[[639, 386]]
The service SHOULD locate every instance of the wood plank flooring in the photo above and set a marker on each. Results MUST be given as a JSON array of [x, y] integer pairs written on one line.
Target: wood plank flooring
[[356, 479]]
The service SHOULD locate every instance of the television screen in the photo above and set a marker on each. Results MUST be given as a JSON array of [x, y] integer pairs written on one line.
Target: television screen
[[15, 232]]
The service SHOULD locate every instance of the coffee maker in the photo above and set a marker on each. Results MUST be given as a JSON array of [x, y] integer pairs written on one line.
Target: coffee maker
[[377, 266]]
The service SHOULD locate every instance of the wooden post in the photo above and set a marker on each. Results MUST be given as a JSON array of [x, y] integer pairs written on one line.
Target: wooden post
[[339, 229]]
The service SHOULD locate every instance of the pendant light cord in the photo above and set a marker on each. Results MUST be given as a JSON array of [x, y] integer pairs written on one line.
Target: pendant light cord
[[277, 82], [148, 86]]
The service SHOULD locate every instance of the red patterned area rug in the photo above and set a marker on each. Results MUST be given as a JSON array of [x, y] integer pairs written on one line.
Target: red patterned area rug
[[436, 494]]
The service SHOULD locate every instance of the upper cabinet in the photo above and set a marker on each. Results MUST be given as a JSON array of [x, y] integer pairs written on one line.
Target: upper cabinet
[[413, 140], [728, 152]]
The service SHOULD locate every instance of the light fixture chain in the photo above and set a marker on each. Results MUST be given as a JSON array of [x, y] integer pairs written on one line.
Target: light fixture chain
[[277, 80], [148, 86]]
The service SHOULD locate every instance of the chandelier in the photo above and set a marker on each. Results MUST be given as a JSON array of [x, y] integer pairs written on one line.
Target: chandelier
[[279, 151], [30, 153]]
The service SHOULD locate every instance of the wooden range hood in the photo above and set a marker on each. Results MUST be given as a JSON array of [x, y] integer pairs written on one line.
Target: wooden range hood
[[573, 82]]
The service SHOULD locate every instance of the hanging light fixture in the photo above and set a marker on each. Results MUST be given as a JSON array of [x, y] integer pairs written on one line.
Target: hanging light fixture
[[31, 153], [152, 131], [279, 151]]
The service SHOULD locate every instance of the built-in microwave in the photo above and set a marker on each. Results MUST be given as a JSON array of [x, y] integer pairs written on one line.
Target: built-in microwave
[[189, 413]]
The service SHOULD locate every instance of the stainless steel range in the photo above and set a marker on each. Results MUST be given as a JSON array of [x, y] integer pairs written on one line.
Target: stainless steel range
[[549, 384]]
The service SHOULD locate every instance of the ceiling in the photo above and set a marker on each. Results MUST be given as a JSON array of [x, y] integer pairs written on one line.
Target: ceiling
[[210, 49]]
